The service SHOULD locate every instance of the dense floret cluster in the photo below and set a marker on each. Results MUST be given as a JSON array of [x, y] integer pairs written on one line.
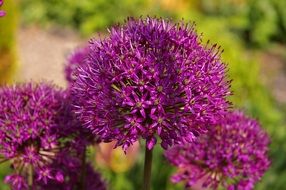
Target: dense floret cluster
[[29, 116], [150, 77], [37, 129], [233, 154]]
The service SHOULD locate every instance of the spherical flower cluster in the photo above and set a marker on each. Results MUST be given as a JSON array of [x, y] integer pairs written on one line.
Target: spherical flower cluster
[[150, 77], [76, 59], [2, 13], [233, 154], [31, 130]]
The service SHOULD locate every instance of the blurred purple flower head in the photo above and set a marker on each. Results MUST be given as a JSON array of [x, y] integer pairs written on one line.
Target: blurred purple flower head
[[33, 121], [150, 77], [72, 169], [232, 154], [2, 13], [94, 180], [75, 60]]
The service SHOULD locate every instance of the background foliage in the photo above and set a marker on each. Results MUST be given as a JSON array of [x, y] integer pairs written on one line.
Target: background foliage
[[242, 27]]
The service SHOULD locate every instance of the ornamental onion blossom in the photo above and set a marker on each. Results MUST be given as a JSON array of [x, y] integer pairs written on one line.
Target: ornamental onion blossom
[[74, 60], [33, 123], [2, 13], [150, 77], [233, 154]]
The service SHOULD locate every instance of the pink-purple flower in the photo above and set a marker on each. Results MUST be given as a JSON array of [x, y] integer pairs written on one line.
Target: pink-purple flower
[[150, 78], [233, 154], [2, 13], [34, 121]]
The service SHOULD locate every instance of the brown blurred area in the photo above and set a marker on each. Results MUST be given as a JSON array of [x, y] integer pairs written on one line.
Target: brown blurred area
[[42, 54]]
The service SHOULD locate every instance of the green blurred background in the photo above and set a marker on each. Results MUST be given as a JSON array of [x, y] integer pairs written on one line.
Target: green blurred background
[[36, 36]]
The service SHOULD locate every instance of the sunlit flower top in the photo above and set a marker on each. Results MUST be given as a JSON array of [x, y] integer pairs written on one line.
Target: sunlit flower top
[[33, 121], [150, 77], [233, 154], [2, 13]]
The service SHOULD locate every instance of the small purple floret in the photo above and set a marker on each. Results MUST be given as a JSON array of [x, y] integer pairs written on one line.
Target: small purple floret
[[17, 182]]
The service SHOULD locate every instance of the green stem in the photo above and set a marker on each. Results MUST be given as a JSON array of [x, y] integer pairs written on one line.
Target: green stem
[[147, 169], [30, 177]]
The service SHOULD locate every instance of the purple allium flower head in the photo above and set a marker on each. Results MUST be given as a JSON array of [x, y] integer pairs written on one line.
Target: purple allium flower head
[[232, 154], [150, 77], [33, 123], [2, 13], [74, 60]]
